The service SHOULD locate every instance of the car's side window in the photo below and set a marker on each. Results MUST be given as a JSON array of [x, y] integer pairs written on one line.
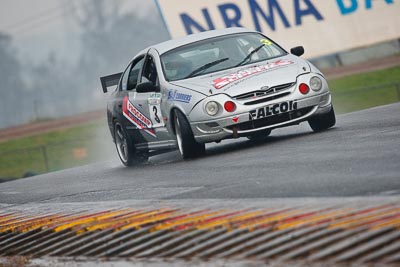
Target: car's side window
[[124, 80], [150, 71], [134, 74]]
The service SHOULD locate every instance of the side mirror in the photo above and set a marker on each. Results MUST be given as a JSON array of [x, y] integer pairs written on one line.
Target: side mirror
[[297, 51], [146, 87]]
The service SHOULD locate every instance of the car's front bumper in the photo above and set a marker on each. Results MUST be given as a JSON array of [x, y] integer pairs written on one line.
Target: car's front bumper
[[241, 124]]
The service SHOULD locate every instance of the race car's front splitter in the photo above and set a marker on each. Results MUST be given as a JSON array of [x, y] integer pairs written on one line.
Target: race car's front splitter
[[244, 124]]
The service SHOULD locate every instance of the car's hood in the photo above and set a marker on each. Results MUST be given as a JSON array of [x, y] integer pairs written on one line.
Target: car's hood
[[247, 78]]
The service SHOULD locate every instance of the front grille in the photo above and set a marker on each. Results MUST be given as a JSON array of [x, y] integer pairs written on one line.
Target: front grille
[[263, 93], [266, 99], [272, 120]]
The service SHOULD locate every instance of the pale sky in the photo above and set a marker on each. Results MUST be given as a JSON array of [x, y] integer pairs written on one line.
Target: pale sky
[[42, 26]]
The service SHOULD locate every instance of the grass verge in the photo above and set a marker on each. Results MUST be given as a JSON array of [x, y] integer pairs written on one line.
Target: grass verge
[[357, 92], [52, 151]]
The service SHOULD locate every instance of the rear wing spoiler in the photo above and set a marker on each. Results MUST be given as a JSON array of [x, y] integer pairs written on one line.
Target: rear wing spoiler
[[110, 80]]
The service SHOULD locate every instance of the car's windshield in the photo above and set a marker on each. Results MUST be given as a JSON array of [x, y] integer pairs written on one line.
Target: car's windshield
[[217, 54]]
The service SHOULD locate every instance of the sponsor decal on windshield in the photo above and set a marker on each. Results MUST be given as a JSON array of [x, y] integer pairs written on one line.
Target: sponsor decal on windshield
[[137, 118], [174, 95], [266, 42], [233, 77]]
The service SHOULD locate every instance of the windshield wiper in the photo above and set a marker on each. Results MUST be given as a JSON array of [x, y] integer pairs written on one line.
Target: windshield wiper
[[207, 66], [249, 56]]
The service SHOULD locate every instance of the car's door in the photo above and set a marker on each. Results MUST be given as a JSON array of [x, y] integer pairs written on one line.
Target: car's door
[[151, 102], [136, 116]]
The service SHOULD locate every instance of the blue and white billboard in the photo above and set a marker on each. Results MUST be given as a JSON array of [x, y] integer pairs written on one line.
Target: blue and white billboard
[[322, 26]]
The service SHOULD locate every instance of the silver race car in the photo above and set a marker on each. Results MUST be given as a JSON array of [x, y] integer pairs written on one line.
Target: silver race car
[[212, 86]]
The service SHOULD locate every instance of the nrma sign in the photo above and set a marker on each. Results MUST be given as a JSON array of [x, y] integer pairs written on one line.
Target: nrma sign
[[322, 26], [232, 16]]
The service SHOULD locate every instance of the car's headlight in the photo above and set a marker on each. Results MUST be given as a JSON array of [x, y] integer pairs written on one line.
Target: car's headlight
[[212, 108], [315, 83]]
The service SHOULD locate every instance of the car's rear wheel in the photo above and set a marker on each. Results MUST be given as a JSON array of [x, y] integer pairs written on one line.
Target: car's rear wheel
[[322, 122], [188, 147], [125, 148], [259, 136]]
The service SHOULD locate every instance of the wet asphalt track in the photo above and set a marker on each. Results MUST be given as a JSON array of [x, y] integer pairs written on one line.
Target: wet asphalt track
[[359, 157]]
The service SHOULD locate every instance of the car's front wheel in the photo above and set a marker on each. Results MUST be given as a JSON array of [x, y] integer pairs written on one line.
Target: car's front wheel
[[322, 122], [126, 151], [188, 147]]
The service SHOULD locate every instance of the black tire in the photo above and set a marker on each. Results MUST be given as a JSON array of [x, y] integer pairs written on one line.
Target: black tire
[[188, 147], [125, 148], [259, 136], [322, 122]]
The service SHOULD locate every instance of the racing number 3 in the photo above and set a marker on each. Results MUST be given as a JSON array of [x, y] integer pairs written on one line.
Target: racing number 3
[[156, 118]]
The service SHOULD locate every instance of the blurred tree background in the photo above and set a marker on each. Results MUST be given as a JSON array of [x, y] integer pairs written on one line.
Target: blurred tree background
[[108, 36], [11, 85]]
